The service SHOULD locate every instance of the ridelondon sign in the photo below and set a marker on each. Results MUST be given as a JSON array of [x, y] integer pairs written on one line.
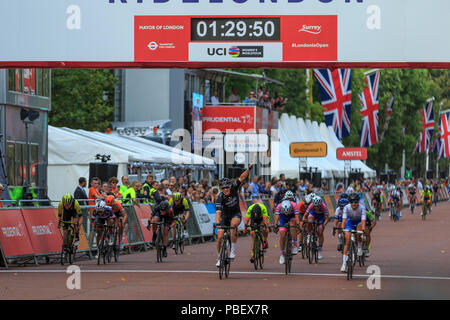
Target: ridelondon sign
[[351, 153]]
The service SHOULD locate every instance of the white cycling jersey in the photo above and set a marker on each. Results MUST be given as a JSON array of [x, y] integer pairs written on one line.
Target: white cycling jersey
[[354, 215]]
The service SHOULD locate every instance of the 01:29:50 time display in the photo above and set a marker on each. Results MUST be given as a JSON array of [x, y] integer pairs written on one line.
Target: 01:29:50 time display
[[263, 29]]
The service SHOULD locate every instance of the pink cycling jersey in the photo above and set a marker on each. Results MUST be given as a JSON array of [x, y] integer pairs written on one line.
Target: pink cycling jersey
[[323, 210], [294, 208]]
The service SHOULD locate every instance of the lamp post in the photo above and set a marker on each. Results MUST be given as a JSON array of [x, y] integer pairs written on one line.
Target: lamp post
[[28, 116]]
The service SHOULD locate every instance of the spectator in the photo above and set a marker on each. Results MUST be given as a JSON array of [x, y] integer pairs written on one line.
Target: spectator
[[254, 188], [264, 101], [215, 99], [251, 99], [283, 180], [205, 184], [234, 96], [162, 193], [190, 192], [302, 190], [79, 192], [113, 181], [266, 189], [244, 190], [260, 92], [278, 102], [94, 193], [275, 188], [133, 193], [165, 184], [172, 180], [125, 184], [340, 186], [105, 190]]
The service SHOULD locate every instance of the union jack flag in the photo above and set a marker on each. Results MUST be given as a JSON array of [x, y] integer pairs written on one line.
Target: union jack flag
[[445, 135], [427, 126], [369, 110], [335, 88], [390, 105], [438, 147]]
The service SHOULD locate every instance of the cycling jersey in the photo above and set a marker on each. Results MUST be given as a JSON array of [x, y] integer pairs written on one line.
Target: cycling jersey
[[229, 205], [302, 207], [67, 214], [117, 208], [284, 219], [412, 190], [179, 208], [354, 217], [166, 217], [338, 213], [322, 211], [263, 212], [377, 197], [426, 194]]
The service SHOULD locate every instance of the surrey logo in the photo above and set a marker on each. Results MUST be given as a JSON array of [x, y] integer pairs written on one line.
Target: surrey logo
[[310, 29]]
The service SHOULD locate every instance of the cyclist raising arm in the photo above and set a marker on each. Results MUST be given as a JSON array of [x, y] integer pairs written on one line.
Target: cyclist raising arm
[[228, 211], [69, 210]]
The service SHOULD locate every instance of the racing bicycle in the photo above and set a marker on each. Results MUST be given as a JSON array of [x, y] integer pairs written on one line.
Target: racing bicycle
[[68, 247], [225, 249]]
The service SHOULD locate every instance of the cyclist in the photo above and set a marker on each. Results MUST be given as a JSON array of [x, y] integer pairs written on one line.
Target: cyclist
[[353, 218], [343, 201], [279, 197], [396, 197], [289, 195], [318, 211], [411, 194], [69, 210], [377, 201], [286, 212], [426, 199], [257, 215], [228, 211], [162, 212], [302, 206], [180, 207], [370, 224], [119, 212], [102, 214], [436, 188]]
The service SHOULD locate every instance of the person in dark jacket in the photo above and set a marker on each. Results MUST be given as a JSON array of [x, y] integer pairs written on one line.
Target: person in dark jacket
[[79, 192]]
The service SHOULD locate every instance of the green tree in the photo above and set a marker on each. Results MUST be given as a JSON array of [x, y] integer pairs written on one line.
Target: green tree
[[82, 98]]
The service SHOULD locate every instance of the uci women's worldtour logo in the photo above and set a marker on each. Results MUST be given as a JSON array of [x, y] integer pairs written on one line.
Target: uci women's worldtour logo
[[310, 29], [234, 52]]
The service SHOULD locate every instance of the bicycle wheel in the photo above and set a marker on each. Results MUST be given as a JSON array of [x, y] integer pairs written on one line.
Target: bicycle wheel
[[70, 248], [287, 253], [302, 244], [261, 253], [256, 247], [63, 249], [316, 252], [310, 249], [223, 258], [181, 246], [116, 248], [100, 248], [228, 261], [350, 262], [159, 248]]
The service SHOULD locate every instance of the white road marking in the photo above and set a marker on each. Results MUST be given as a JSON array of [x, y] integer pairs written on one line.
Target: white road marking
[[231, 272]]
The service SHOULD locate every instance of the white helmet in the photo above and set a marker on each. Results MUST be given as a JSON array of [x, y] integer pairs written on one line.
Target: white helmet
[[286, 207], [100, 205], [317, 201], [308, 199], [289, 195]]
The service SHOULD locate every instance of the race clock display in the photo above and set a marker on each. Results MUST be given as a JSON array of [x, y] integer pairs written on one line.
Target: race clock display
[[235, 29]]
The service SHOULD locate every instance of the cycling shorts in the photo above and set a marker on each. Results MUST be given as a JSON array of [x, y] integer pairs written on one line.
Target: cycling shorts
[[225, 221], [352, 224], [284, 220]]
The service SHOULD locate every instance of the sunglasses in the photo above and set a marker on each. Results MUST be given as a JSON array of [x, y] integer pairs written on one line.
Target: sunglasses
[[354, 201], [223, 188]]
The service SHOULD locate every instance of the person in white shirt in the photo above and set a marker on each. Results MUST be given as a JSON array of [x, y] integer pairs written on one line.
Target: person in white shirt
[[215, 99], [234, 97]]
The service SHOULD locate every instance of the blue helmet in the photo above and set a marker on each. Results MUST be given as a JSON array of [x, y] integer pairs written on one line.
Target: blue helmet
[[343, 202]]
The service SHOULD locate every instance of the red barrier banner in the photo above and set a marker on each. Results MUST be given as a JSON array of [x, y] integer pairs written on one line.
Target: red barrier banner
[[13, 234], [144, 214], [228, 117], [43, 230]]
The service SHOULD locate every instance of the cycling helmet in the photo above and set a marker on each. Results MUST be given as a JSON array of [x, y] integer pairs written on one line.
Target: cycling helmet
[[109, 200], [342, 203], [256, 212], [353, 198], [308, 199], [225, 183], [177, 196], [164, 206], [67, 199], [344, 195], [286, 207], [312, 195], [100, 205], [317, 201], [289, 195]]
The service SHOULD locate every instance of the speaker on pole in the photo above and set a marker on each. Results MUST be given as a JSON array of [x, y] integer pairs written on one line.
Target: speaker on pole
[[316, 179], [103, 171], [306, 176]]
